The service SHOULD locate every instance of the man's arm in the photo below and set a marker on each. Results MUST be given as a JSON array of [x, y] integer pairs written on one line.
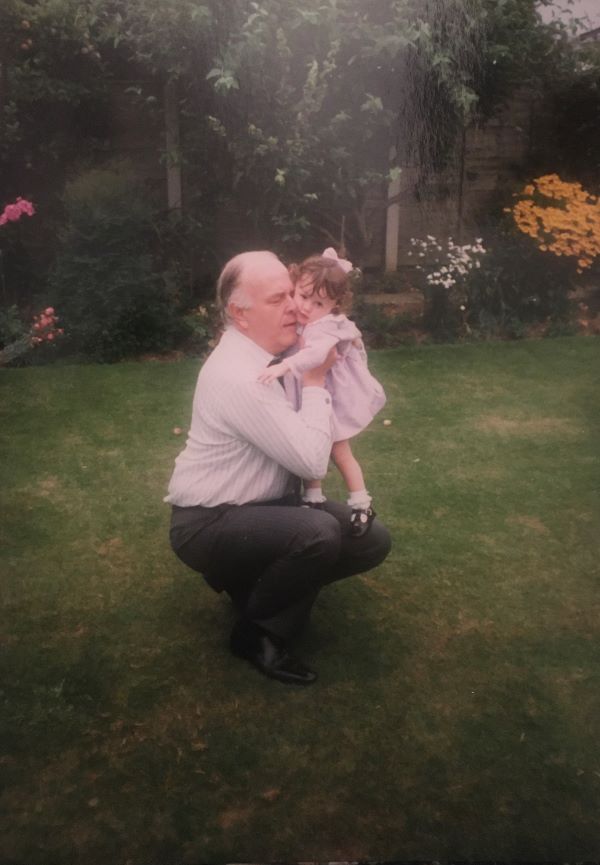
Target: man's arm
[[299, 441]]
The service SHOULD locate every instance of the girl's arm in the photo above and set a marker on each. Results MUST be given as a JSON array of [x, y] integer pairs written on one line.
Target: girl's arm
[[318, 344], [275, 371], [312, 355]]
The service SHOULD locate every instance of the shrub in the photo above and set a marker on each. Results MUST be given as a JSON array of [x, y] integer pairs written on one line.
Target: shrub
[[114, 300], [499, 288], [17, 279], [384, 326], [18, 339], [446, 268], [12, 327], [562, 219], [201, 328], [517, 285]]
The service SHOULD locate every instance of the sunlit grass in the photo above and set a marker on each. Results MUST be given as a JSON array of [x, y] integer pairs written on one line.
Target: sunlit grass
[[456, 711]]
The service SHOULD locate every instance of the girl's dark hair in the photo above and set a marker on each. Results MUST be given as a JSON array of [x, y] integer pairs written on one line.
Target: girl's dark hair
[[326, 277]]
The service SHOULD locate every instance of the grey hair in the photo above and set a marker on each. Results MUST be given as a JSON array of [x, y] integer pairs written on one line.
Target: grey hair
[[229, 285]]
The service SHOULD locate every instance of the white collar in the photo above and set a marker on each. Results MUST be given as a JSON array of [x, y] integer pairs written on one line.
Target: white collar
[[234, 336]]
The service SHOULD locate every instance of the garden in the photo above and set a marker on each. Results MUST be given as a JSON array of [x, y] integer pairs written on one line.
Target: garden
[[454, 718]]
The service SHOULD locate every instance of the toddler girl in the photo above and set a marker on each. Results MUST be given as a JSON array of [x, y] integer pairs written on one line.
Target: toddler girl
[[322, 290]]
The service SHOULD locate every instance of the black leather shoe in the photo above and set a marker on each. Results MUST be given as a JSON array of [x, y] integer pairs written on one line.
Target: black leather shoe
[[269, 655], [360, 521], [317, 506]]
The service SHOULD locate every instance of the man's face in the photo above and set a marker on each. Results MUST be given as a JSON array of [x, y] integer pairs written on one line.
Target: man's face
[[271, 320]]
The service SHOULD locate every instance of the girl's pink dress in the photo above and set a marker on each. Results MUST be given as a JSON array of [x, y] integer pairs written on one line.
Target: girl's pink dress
[[356, 396]]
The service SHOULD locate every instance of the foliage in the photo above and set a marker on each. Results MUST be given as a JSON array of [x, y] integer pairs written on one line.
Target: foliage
[[562, 218], [18, 340], [294, 115], [447, 268], [201, 328], [52, 89], [11, 214], [390, 282], [383, 326], [517, 285], [12, 327], [574, 141], [115, 302]]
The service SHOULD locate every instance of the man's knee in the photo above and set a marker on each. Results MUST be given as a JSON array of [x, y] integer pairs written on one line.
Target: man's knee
[[382, 540], [319, 535]]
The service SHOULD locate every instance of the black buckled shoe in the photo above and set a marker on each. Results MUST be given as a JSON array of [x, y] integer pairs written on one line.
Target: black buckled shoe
[[360, 521], [317, 506], [269, 655]]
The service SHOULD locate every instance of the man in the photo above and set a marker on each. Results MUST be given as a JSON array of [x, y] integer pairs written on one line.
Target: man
[[235, 515]]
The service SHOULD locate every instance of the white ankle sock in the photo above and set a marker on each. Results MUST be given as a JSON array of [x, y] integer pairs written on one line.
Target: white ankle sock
[[314, 495], [360, 499]]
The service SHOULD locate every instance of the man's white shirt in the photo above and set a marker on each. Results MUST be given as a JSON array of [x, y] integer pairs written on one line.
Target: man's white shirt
[[246, 438]]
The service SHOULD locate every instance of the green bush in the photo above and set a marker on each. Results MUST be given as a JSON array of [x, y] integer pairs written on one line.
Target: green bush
[[107, 280], [383, 327], [511, 287], [517, 285], [12, 327]]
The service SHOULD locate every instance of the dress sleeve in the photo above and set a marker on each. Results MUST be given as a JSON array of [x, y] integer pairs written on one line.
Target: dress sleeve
[[316, 348]]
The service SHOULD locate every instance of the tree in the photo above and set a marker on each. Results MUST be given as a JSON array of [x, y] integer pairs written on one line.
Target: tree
[[52, 87], [297, 112]]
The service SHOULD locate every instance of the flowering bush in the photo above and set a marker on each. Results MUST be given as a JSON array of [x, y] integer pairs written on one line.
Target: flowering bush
[[561, 217], [447, 267], [43, 329], [15, 339], [13, 212]]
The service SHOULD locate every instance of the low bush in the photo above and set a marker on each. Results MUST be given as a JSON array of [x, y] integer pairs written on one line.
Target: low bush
[[497, 287], [517, 285], [12, 327], [384, 326], [115, 299]]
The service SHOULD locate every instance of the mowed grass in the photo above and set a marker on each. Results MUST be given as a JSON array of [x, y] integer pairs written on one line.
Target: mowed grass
[[456, 712]]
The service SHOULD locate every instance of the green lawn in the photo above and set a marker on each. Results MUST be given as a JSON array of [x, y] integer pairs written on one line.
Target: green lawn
[[458, 705]]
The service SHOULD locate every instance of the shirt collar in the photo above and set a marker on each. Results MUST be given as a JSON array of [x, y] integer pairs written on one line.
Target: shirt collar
[[247, 345]]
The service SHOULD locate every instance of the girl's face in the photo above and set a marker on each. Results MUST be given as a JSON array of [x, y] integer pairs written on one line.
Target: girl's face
[[310, 305]]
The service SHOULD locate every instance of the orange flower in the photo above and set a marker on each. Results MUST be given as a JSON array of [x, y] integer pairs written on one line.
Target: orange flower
[[567, 223]]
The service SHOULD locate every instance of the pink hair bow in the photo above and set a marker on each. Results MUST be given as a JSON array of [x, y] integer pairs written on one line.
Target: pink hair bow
[[346, 265]]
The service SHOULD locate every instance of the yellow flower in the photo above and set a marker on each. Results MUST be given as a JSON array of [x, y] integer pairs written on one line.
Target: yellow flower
[[567, 224]]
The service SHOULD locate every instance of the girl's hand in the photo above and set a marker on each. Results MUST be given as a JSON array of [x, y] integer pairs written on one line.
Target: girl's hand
[[272, 372]]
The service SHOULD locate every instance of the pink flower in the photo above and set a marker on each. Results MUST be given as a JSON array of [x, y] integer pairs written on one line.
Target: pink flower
[[13, 212], [49, 310]]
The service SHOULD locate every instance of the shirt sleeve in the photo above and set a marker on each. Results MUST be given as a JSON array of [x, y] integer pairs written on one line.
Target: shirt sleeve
[[300, 441]]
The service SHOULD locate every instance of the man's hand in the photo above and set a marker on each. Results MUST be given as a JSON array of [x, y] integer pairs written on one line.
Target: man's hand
[[316, 377]]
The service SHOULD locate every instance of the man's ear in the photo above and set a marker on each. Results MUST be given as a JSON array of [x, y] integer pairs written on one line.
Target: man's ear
[[237, 314]]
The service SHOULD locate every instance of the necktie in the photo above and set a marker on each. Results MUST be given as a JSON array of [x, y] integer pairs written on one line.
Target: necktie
[[277, 359]]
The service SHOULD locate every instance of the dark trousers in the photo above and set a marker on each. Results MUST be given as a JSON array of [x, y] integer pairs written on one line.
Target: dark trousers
[[273, 558]]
